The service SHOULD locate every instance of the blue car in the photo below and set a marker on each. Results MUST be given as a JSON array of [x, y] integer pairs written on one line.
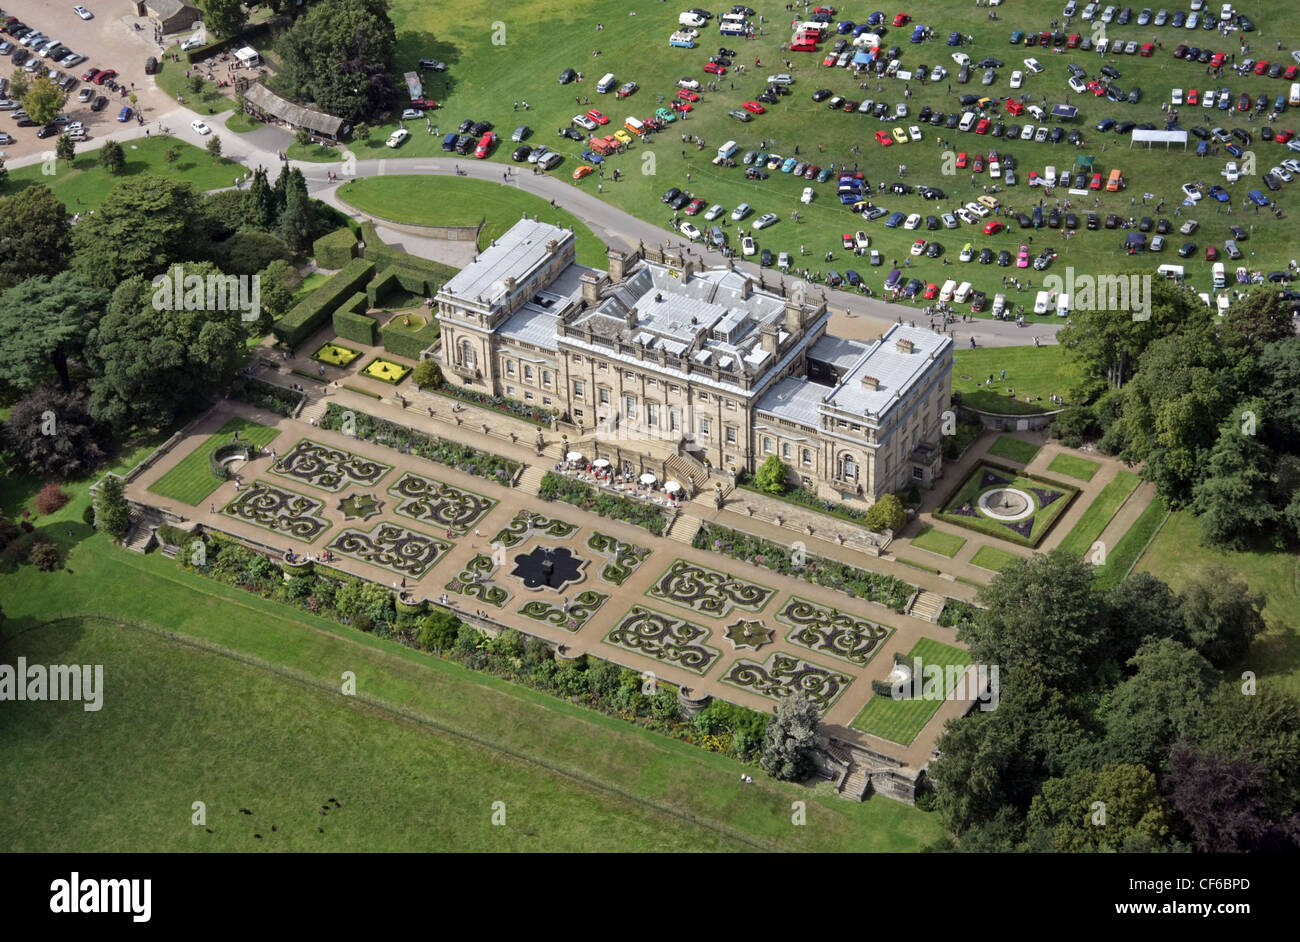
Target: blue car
[[954, 38], [1258, 198], [1202, 148], [1220, 194], [789, 164], [125, 113], [591, 157], [853, 278], [850, 196], [876, 19], [894, 221], [845, 26], [1232, 149], [918, 34]]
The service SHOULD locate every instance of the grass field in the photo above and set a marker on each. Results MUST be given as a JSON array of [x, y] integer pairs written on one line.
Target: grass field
[[938, 541], [1031, 371], [1099, 513], [990, 557], [314, 153], [1123, 555], [901, 720], [1177, 556], [192, 480], [420, 768], [1013, 448], [86, 181], [440, 201], [1081, 469], [491, 68]]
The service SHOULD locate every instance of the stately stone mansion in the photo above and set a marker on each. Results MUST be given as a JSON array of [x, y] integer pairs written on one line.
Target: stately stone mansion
[[704, 362]]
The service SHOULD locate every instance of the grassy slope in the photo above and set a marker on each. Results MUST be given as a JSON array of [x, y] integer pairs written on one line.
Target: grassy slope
[[192, 480], [540, 38], [1032, 371], [901, 720], [1099, 513]]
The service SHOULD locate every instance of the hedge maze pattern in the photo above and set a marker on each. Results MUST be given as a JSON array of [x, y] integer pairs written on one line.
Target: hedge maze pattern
[[708, 591], [330, 469], [391, 547], [475, 581], [439, 504], [781, 675], [580, 610], [664, 637], [518, 529], [624, 558], [830, 631], [282, 512]]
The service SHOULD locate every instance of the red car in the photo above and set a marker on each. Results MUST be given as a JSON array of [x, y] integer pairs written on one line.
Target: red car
[[685, 94], [978, 165], [1284, 136], [1261, 66], [1243, 103], [1075, 38], [1147, 49], [961, 159], [485, 144], [754, 107], [993, 228], [1291, 72], [1095, 182], [901, 19], [847, 240], [596, 116], [1096, 88], [803, 46], [982, 127], [104, 76], [426, 104], [1211, 254], [714, 69], [91, 75], [831, 59], [883, 139], [683, 106], [695, 206], [1216, 60], [1193, 96], [1014, 107], [931, 290], [829, 11]]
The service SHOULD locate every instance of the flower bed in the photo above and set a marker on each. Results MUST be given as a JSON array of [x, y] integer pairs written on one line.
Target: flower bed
[[386, 371], [859, 583], [513, 407], [456, 455], [579, 494], [267, 396], [804, 498], [336, 354], [1050, 500]]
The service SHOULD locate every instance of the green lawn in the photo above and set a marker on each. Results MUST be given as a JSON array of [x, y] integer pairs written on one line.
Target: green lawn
[[171, 79], [1013, 448], [990, 557], [242, 123], [245, 735], [969, 491], [1123, 555], [84, 185], [938, 541], [453, 201], [1033, 371], [1177, 556], [1099, 513], [484, 80], [192, 480], [901, 721], [314, 153], [1081, 469]]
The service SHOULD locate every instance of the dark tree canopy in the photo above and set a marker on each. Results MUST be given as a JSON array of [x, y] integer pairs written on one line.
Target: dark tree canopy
[[35, 234], [143, 224], [43, 322], [51, 433], [340, 55]]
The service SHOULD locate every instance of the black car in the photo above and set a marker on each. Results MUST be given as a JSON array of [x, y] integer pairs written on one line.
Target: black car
[[521, 153], [925, 113], [1110, 71], [1054, 219], [937, 119], [968, 100], [721, 60], [1125, 126], [932, 222], [931, 192], [723, 51], [1202, 132], [1145, 224], [1080, 180], [756, 173], [834, 279], [821, 95], [1238, 233], [1122, 18], [48, 131], [26, 122], [671, 195], [934, 249], [680, 200], [571, 133], [1134, 95], [1271, 181], [1266, 133], [1111, 220], [436, 65], [1071, 221], [1093, 221], [567, 76], [465, 126], [481, 128], [704, 13], [465, 143], [1023, 221], [1013, 132], [903, 189], [986, 256], [766, 98], [1241, 135], [99, 103], [1056, 135], [998, 129], [913, 287], [1187, 250], [952, 121], [1075, 137], [765, 258], [1004, 258]]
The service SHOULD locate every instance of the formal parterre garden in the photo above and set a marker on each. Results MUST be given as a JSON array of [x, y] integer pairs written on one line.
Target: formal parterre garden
[[1007, 504], [191, 480], [336, 354], [386, 371]]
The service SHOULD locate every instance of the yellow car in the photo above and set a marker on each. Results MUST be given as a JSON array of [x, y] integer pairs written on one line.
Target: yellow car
[[583, 171], [623, 136], [900, 135]]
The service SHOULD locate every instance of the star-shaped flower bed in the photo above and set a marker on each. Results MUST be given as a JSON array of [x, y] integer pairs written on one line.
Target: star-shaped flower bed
[[747, 633], [360, 506]]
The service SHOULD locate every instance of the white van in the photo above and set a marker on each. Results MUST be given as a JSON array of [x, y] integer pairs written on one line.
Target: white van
[[1294, 97], [1176, 97], [606, 83], [812, 26], [727, 150], [1220, 279], [962, 293], [635, 125], [1049, 176], [733, 29], [1062, 305], [1171, 271], [949, 287], [732, 19], [999, 303], [691, 19], [967, 120], [1222, 303], [1040, 303]]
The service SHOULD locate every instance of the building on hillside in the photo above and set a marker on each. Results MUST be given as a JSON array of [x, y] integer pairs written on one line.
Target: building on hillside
[[266, 105], [705, 362], [172, 16]]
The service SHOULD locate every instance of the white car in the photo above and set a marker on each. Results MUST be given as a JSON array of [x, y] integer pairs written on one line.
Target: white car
[[716, 210], [86, 94], [740, 212], [861, 240], [967, 253], [192, 43], [1282, 172], [688, 83], [978, 209], [1075, 83], [1040, 303], [412, 114], [1108, 14], [914, 132], [689, 230], [1191, 191], [1041, 134], [765, 220], [1027, 134], [807, 196], [1033, 66], [747, 246], [913, 221], [200, 128], [1231, 172], [582, 121], [1292, 164], [966, 216], [83, 13], [783, 260], [398, 137], [960, 58]]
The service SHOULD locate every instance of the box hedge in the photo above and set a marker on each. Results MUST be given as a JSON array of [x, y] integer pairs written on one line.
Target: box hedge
[[407, 342], [383, 286], [355, 325], [311, 312], [335, 249], [385, 256]]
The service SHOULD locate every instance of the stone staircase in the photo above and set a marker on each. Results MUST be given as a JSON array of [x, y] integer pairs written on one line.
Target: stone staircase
[[855, 783], [531, 479], [683, 528], [927, 605], [314, 409], [141, 537], [682, 469]]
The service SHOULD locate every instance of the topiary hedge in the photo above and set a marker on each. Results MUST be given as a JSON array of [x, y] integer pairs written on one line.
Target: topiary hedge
[[385, 256], [408, 342], [310, 313], [384, 285], [354, 325], [335, 249]]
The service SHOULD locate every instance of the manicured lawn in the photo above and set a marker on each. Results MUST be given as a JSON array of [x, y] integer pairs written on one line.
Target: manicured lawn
[[452, 201], [86, 181], [1080, 469], [404, 784], [990, 557], [1033, 371], [192, 480], [314, 153], [386, 371], [336, 354], [1013, 448], [1177, 556], [1121, 557], [962, 509], [901, 721], [1104, 506], [937, 541], [242, 124], [171, 79]]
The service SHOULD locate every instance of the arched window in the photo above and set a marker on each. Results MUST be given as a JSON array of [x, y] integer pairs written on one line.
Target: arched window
[[807, 456], [467, 354]]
